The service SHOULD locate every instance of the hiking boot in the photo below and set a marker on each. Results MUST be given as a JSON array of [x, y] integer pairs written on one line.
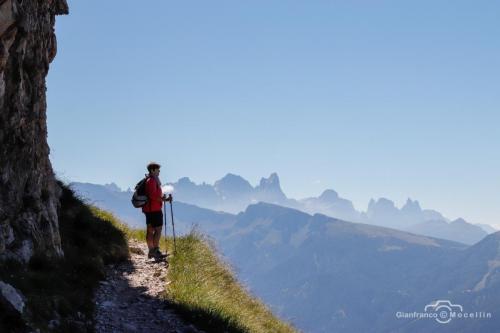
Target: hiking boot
[[152, 253], [158, 254]]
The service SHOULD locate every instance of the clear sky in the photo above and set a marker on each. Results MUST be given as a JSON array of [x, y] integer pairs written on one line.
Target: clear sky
[[390, 99]]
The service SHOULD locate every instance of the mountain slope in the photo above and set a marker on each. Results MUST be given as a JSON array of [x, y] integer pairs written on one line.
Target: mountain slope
[[331, 275], [486, 227], [471, 280], [458, 230]]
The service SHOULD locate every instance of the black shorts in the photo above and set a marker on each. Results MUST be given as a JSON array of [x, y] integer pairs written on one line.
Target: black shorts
[[155, 219]]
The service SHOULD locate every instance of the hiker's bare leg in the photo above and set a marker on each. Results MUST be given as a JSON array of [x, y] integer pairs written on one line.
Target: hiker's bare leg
[[157, 235], [150, 236]]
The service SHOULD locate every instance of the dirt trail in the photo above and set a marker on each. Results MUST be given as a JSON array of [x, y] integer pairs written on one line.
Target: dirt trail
[[129, 300]]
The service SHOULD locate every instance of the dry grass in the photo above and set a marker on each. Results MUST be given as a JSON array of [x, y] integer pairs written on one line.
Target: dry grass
[[204, 289]]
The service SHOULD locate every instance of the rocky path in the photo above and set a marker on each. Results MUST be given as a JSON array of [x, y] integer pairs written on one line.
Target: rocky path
[[130, 298]]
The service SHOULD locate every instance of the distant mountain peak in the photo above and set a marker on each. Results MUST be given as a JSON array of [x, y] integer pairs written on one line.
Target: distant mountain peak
[[274, 175], [232, 184], [385, 201], [329, 195], [382, 203], [113, 187], [460, 221], [412, 206], [412, 202], [272, 181], [231, 177], [269, 189], [184, 180]]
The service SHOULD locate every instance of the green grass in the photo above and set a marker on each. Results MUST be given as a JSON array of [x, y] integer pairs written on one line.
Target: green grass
[[204, 290]]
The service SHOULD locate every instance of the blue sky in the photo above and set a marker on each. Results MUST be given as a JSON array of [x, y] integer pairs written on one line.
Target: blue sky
[[371, 98]]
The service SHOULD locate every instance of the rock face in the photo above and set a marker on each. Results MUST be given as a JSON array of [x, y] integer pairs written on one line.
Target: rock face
[[12, 295], [28, 191]]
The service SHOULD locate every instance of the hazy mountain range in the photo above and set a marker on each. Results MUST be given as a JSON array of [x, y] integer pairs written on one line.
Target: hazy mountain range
[[329, 275], [233, 194]]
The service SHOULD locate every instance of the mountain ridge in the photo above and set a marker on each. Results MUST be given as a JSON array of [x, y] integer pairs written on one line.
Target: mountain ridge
[[382, 211]]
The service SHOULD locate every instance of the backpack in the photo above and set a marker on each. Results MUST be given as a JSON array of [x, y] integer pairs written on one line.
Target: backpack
[[140, 198]]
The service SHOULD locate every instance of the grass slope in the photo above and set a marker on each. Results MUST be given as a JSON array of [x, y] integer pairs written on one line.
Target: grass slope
[[204, 289]]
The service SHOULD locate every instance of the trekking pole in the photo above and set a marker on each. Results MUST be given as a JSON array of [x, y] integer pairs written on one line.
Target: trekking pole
[[173, 226], [165, 223]]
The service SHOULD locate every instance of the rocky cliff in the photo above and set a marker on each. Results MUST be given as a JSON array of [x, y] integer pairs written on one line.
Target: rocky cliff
[[29, 195]]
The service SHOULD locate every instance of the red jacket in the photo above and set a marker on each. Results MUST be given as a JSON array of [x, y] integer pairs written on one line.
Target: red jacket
[[154, 193]]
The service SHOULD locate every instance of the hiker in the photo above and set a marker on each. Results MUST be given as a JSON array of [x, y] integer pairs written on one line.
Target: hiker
[[153, 210]]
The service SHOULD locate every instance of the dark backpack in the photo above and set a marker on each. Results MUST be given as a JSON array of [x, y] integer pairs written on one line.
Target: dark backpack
[[140, 197]]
